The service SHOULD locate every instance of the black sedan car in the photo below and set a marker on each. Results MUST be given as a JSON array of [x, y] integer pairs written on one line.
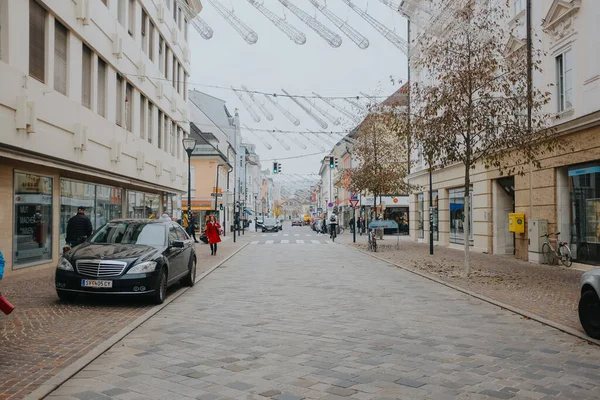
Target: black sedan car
[[270, 225], [128, 256]]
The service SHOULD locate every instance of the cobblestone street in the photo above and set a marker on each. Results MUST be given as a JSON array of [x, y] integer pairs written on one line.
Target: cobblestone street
[[43, 335], [549, 291], [326, 322]]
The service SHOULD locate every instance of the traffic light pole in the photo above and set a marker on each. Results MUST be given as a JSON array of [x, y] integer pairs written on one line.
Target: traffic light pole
[[354, 223]]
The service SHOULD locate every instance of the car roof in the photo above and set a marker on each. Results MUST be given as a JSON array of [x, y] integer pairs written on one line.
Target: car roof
[[146, 220]]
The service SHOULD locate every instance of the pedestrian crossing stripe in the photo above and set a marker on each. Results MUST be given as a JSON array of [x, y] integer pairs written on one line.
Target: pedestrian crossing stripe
[[254, 242], [269, 242], [300, 241], [285, 242], [315, 242], [258, 242]]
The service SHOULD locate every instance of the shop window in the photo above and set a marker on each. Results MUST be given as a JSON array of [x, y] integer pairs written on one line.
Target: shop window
[[142, 205], [420, 210], [60, 58], [32, 237], [457, 215], [74, 194], [585, 221], [436, 227], [37, 41]]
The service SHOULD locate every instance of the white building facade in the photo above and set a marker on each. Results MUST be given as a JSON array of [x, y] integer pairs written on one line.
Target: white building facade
[[564, 190], [93, 108]]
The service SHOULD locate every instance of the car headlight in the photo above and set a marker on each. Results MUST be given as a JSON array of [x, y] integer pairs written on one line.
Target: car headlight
[[64, 264], [143, 268]]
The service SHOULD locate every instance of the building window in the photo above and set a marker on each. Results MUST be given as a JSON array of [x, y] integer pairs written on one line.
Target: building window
[[32, 237], [151, 41], [128, 109], [160, 129], [60, 58], [166, 67], [143, 116], [86, 77], [420, 211], [457, 215], [436, 229], [178, 78], [174, 72], [185, 86], [131, 24], [120, 103], [564, 81], [142, 205], [518, 6], [185, 28], [175, 12], [177, 146], [180, 21], [121, 11], [150, 132], [161, 57], [173, 135], [105, 2], [143, 30], [37, 41], [166, 126], [101, 93]]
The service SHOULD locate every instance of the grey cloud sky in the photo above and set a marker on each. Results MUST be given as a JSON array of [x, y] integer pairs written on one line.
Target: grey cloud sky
[[275, 62]]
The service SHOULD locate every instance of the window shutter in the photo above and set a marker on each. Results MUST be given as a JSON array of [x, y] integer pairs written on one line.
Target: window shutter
[[119, 103], [86, 77], [37, 42], [60, 58], [128, 109], [101, 88]]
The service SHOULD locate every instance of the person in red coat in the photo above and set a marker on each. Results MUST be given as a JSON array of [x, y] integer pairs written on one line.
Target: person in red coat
[[213, 230]]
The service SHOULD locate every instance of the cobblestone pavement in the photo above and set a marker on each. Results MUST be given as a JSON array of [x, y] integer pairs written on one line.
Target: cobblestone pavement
[[552, 292], [43, 335], [327, 322]]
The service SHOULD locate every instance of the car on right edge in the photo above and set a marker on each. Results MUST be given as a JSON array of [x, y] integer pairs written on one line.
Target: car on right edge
[[589, 303]]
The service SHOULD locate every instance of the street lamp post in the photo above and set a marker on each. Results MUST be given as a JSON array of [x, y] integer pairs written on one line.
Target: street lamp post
[[189, 144], [255, 216]]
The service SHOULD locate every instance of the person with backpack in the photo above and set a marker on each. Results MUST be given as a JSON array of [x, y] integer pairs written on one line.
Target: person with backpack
[[333, 222]]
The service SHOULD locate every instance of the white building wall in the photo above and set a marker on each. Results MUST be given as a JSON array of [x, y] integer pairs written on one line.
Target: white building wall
[[58, 120]]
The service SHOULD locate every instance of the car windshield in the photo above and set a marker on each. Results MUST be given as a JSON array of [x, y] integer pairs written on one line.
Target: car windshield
[[138, 232], [269, 221]]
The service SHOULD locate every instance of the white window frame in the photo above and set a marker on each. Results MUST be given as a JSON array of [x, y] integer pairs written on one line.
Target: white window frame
[[518, 6], [564, 74]]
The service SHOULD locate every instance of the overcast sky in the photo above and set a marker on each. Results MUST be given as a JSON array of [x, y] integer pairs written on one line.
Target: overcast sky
[[275, 62]]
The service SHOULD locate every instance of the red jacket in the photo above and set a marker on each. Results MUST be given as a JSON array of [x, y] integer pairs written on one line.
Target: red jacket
[[212, 232]]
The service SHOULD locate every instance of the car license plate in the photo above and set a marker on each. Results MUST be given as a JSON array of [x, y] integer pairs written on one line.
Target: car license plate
[[95, 283]]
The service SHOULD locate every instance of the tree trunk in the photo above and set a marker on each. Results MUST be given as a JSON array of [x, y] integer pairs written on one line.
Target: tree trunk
[[467, 220]]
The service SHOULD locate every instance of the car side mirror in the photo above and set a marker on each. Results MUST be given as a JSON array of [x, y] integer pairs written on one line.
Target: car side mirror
[[178, 244]]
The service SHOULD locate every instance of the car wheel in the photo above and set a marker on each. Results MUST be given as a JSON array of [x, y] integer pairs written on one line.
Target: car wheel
[[190, 278], [68, 297], [160, 291], [589, 313]]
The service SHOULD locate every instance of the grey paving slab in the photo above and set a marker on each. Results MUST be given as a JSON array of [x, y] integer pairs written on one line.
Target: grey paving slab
[[324, 322]]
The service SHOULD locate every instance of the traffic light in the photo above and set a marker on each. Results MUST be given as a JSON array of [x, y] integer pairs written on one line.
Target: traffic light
[[331, 162], [221, 207], [275, 167], [278, 168], [336, 162], [362, 209]]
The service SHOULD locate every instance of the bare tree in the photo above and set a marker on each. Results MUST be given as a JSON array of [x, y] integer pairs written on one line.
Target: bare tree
[[471, 104], [382, 152]]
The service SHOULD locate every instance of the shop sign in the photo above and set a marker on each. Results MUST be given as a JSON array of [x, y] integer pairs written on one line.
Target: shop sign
[[585, 171]]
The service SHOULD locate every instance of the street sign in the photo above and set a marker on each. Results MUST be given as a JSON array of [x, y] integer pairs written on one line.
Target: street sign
[[330, 205], [355, 195], [353, 203], [217, 194]]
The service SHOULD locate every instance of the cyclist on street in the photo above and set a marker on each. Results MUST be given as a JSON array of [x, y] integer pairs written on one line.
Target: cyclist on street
[[333, 222]]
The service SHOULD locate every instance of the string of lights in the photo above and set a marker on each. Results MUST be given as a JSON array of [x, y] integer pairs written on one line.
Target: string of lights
[[265, 93], [290, 158]]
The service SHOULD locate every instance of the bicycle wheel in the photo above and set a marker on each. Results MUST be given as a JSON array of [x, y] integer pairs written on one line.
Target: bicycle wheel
[[565, 256], [548, 253]]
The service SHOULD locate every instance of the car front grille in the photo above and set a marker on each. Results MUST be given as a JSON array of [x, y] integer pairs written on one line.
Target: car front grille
[[101, 268]]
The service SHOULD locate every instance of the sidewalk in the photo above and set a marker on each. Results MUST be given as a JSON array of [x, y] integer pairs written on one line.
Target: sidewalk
[[42, 336], [551, 292]]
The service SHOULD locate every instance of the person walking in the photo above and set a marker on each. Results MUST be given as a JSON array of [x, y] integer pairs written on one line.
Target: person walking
[[213, 229], [194, 226], [333, 222], [352, 225], [79, 228]]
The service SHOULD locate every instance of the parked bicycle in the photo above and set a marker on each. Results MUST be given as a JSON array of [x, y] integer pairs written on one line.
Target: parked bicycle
[[372, 241], [561, 252]]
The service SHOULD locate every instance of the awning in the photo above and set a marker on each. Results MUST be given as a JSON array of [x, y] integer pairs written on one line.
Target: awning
[[248, 212]]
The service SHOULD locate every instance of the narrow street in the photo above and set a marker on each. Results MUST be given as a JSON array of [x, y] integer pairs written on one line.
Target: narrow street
[[288, 320]]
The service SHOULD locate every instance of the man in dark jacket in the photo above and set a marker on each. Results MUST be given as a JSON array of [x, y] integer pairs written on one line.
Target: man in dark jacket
[[79, 228]]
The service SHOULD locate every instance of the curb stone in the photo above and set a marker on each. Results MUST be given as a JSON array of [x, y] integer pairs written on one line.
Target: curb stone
[[516, 310], [57, 380]]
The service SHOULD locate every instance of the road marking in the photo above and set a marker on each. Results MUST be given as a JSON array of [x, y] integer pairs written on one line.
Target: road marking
[[296, 234], [300, 241], [255, 242], [269, 242], [286, 234], [315, 242], [263, 235], [308, 235], [285, 242], [275, 235]]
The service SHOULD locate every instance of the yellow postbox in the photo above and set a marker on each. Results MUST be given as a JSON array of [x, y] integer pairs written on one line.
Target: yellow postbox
[[516, 222]]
